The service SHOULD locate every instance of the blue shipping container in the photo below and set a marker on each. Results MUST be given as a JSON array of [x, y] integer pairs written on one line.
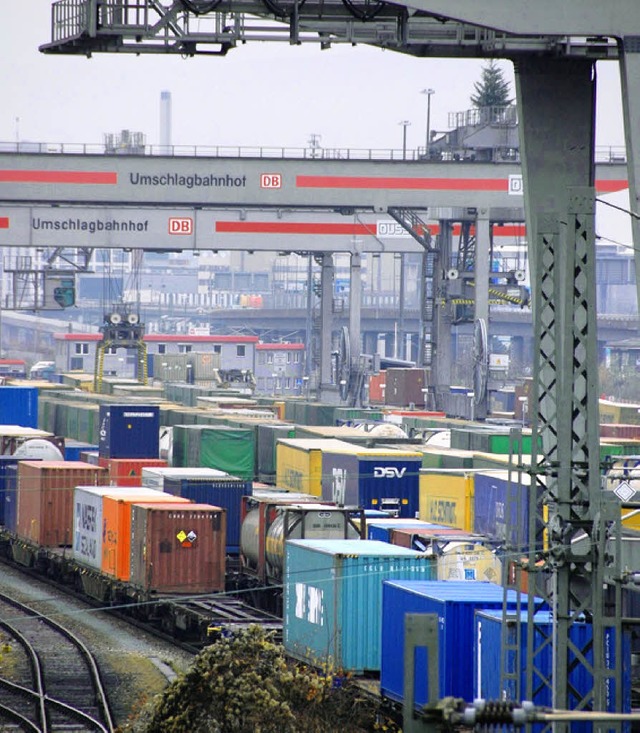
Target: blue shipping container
[[73, 448], [5, 462], [381, 529], [455, 602], [19, 406], [501, 509], [333, 599], [11, 497], [129, 431], [488, 639], [372, 481], [225, 492]]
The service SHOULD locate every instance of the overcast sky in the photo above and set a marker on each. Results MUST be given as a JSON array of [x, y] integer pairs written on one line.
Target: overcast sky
[[260, 94]]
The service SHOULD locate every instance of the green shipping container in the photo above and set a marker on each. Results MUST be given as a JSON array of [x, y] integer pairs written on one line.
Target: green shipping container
[[228, 449]]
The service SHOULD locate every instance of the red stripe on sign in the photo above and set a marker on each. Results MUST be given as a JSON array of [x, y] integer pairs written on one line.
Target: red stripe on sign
[[23, 176], [611, 186], [4, 222], [429, 184], [292, 227]]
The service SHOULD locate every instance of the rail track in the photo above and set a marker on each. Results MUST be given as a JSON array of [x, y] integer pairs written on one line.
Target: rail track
[[52, 680]]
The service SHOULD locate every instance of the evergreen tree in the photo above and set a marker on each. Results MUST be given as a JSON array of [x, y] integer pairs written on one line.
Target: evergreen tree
[[493, 89]]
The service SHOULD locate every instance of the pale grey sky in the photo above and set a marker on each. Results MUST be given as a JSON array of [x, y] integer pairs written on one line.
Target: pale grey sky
[[259, 94]]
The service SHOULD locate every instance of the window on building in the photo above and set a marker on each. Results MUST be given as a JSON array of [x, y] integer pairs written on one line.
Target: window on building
[[76, 363], [296, 357], [241, 350], [82, 349], [288, 357], [287, 383], [111, 350], [162, 348], [217, 348], [270, 358], [184, 348]]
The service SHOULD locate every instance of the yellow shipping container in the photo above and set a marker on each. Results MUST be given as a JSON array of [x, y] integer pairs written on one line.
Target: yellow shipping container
[[299, 463], [447, 498]]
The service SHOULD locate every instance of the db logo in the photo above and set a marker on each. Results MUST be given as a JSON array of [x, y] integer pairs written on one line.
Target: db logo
[[180, 225], [270, 180]]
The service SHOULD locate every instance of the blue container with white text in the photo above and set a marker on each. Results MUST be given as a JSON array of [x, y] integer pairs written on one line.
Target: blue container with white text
[[225, 491], [488, 639], [373, 479], [333, 599], [454, 602], [129, 431]]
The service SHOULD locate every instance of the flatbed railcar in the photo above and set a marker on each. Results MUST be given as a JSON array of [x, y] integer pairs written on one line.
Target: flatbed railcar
[[191, 619]]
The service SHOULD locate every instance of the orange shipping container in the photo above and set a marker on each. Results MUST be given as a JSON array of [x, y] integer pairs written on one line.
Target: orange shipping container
[[45, 499], [116, 527], [128, 471], [178, 549], [376, 388]]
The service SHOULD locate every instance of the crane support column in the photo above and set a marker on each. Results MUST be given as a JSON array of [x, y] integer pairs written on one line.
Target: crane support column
[[481, 296], [326, 317], [442, 358], [630, 83], [557, 112], [355, 301]]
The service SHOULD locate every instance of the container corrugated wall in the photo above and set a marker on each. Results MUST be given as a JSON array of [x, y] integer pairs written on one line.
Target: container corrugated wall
[[19, 406], [267, 438], [178, 549], [225, 492], [116, 526], [299, 463], [488, 640], [447, 498], [333, 599], [129, 431], [45, 499], [455, 603]]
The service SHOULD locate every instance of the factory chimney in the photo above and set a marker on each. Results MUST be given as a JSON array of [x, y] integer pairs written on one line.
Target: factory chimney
[[165, 123]]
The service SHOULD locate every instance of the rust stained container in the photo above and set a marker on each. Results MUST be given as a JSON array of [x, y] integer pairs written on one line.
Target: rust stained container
[[45, 499], [423, 540], [116, 527], [178, 549], [128, 471]]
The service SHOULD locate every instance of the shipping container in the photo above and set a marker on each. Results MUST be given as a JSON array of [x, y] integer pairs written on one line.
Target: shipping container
[[231, 450], [447, 498], [74, 448], [619, 412], [267, 437], [373, 479], [501, 507], [405, 387], [128, 471], [299, 463], [490, 440], [88, 522], [381, 529], [333, 599], [377, 387], [11, 497], [116, 527], [488, 661], [153, 477], [129, 431], [222, 491], [422, 540], [6, 496], [618, 430], [45, 499], [19, 406], [455, 603], [178, 548]]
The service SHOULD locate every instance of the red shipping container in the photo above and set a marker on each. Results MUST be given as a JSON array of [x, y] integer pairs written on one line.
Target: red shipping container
[[128, 471], [45, 499], [376, 388], [178, 548]]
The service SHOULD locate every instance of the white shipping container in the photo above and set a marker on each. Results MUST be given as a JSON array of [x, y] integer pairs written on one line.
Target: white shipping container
[[87, 522]]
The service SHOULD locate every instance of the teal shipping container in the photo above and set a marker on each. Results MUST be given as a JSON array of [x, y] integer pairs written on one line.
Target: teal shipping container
[[333, 599]]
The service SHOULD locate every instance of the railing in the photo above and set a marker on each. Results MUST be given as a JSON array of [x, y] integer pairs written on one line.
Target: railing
[[603, 154]]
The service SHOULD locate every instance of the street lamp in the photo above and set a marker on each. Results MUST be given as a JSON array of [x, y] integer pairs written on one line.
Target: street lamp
[[405, 124], [428, 92]]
